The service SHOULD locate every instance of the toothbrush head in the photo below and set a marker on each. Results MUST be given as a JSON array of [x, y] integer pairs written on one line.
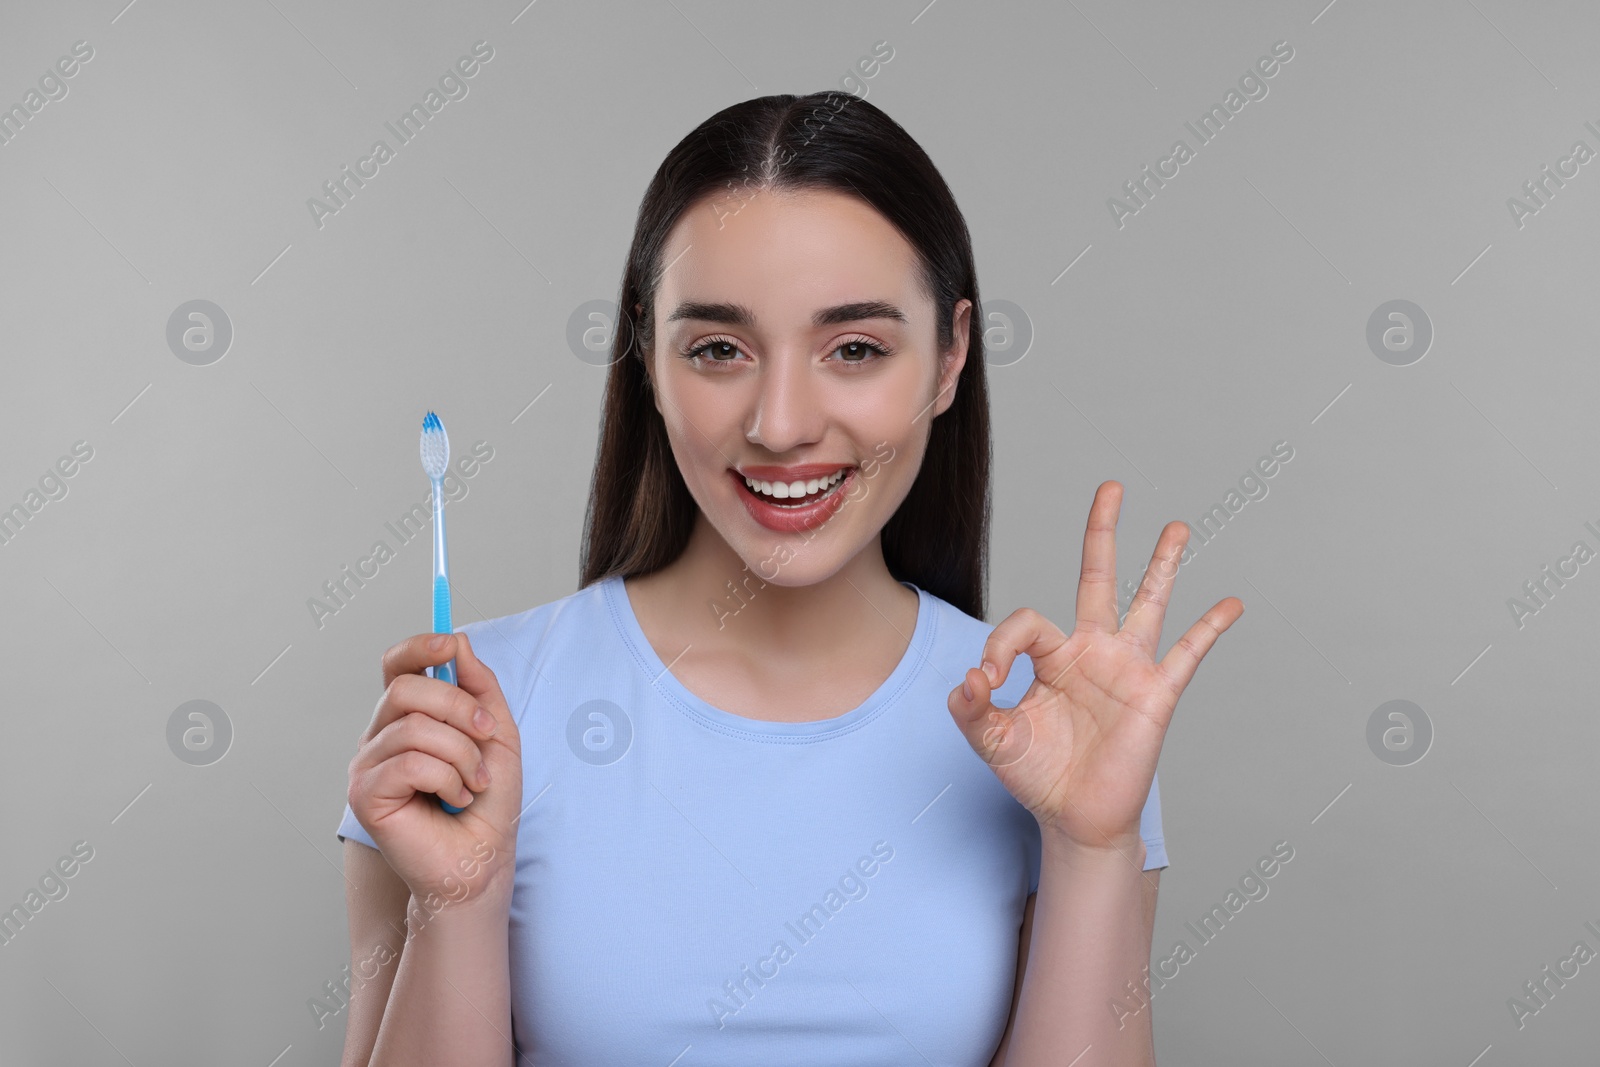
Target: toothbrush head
[[435, 447]]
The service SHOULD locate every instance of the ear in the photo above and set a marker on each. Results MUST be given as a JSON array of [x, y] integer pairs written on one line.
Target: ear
[[954, 357]]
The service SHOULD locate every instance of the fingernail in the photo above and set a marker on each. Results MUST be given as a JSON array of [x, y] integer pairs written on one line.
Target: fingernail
[[466, 797], [990, 671], [438, 642], [966, 689], [483, 774], [483, 721]]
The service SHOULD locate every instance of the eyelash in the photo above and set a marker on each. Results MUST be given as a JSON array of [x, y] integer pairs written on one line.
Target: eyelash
[[692, 352]]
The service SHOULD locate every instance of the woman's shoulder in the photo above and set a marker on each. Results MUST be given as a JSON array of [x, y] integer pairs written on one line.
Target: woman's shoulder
[[582, 605], [515, 646], [960, 638]]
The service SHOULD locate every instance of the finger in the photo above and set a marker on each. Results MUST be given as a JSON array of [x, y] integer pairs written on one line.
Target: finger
[[433, 696], [415, 653], [390, 785], [427, 734], [1024, 632], [1000, 735], [1183, 658], [475, 677], [1097, 578], [1148, 611]]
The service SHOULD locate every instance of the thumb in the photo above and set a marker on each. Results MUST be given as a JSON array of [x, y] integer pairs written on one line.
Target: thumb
[[974, 715], [1000, 735], [474, 676]]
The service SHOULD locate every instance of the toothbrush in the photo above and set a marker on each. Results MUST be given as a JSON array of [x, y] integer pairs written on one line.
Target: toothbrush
[[435, 462]]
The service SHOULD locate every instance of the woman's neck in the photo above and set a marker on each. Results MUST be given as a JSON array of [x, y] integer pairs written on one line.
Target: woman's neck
[[710, 600]]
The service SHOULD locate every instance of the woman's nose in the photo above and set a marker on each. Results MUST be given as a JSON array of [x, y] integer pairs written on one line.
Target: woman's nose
[[786, 412]]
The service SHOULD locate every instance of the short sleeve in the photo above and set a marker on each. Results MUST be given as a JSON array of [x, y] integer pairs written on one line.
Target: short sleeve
[[1155, 842], [1155, 845], [352, 830]]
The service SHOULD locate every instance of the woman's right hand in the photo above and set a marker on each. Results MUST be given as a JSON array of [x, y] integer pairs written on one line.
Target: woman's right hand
[[424, 743]]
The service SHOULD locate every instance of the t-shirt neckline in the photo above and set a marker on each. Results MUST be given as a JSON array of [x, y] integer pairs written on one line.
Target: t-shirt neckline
[[679, 696]]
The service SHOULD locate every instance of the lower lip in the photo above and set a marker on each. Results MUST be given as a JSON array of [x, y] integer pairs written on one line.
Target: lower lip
[[792, 519]]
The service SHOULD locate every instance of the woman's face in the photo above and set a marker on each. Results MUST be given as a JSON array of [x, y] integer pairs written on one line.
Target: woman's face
[[781, 302]]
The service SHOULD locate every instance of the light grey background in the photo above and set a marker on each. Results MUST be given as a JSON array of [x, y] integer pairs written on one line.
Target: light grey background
[[1229, 314]]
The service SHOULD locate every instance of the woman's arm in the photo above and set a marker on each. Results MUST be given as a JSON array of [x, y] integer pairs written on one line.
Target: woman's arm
[[1092, 928], [450, 998], [1152, 887], [376, 899]]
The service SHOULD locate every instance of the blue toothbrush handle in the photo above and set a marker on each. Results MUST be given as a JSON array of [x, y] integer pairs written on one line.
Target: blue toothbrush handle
[[447, 672]]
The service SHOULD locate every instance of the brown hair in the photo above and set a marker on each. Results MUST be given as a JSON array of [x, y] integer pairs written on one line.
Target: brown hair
[[640, 511]]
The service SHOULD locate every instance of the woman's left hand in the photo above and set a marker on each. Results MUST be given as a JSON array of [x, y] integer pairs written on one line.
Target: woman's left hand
[[1079, 751]]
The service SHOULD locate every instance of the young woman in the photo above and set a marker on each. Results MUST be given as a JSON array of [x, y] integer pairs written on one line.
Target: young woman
[[714, 812]]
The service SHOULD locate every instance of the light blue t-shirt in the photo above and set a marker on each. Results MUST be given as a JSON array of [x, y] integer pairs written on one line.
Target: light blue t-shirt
[[698, 888]]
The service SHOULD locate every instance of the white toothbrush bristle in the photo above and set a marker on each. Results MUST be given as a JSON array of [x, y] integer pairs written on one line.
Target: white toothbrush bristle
[[435, 447]]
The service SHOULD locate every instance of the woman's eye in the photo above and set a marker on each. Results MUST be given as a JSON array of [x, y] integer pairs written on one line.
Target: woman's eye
[[855, 351], [720, 351], [713, 350]]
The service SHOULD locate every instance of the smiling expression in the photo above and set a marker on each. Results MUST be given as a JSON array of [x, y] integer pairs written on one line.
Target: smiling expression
[[796, 348]]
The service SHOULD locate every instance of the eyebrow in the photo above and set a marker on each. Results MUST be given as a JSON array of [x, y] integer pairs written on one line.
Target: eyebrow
[[739, 315]]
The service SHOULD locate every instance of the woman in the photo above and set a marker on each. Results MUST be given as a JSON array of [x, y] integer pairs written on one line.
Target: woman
[[712, 812]]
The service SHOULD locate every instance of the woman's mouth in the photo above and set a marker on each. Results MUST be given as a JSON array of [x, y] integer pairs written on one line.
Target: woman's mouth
[[788, 507]]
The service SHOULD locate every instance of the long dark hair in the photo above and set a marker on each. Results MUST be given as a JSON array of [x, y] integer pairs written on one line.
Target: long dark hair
[[640, 511]]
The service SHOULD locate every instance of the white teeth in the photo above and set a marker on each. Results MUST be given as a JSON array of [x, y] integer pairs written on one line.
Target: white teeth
[[785, 490]]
